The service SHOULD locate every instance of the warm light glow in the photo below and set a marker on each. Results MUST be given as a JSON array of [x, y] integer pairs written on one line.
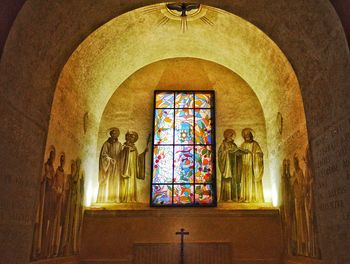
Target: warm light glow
[[267, 194], [275, 175], [233, 42], [274, 195], [88, 194], [91, 169]]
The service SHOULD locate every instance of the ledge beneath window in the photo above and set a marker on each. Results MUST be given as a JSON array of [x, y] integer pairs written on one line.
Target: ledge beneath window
[[223, 209]]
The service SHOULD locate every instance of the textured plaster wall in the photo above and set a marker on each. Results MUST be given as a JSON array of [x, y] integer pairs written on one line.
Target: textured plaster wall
[[46, 33], [131, 106], [133, 38]]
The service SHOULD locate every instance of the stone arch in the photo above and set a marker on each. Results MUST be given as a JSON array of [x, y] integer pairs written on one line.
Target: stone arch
[[131, 41], [33, 59]]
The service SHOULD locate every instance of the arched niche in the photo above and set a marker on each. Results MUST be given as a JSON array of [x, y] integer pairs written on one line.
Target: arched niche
[[38, 46], [131, 106], [132, 41]]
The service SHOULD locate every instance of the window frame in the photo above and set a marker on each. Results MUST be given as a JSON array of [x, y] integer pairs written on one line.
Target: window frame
[[213, 146]]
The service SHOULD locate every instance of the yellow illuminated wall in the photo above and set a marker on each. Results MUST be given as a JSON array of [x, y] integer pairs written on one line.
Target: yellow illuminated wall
[[134, 40]]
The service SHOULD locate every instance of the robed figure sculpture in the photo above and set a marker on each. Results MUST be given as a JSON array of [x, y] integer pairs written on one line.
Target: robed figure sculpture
[[230, 163], [69, 208], [73, 212], [312, 247], [133, 165], [110, 168], [288, 207], [298, 183], [58, 187], [252, 169], [40, 239]]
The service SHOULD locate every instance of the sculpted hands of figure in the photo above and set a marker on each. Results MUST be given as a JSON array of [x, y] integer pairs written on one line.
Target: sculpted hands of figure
[[110, 168], [252, 169]]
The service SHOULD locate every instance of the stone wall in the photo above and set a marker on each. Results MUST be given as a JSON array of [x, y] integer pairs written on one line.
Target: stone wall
[[120, 232], [46, 33]]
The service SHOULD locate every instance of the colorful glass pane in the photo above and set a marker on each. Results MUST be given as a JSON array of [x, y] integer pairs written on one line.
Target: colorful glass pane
[[202, 100], [184, 126], [184, 100], [162, 194], [164, 126], [183, 156], [183, 164], [204, 194], [163, 164], [203, 126], [183, 194], [165, 100], [203, 164]]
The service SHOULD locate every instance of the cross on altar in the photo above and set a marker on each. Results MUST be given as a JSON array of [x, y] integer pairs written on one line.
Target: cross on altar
[[182, 233]]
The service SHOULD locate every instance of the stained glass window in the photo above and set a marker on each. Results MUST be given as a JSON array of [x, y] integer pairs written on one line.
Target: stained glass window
[[183, 164]]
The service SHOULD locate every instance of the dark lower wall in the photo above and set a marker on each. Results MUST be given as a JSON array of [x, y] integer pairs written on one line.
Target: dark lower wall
[[64, 260], [116, 236]]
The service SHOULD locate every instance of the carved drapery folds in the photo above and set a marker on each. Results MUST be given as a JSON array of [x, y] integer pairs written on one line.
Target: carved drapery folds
[[298, 208], [241, 168], [119, 168], [59, 210]]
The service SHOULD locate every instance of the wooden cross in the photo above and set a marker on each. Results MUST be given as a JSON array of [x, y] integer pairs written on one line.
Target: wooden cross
[[182, 233]]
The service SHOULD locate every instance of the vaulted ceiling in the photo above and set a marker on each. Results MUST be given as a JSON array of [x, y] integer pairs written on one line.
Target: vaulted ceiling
[[10, 8]]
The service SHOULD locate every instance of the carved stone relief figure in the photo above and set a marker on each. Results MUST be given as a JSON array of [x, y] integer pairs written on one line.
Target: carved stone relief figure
[[298, 182], [312, 246], [110, 168], [288, 208], [58, 187], [230, 162], [68, 214], [133, 168], [74, 211], [41, 218], [60, 210], [252, 169], [49, 210], [79, 209], [298, 210]]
